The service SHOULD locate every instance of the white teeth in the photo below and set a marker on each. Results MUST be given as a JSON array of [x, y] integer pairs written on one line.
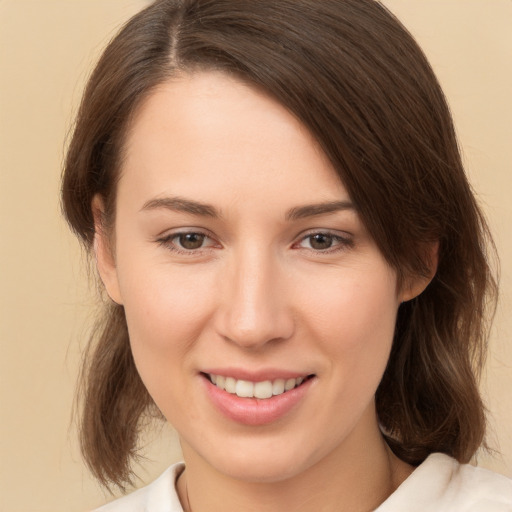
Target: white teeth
[[260, 390], [263, 389], [289, 384], [230, 385], [278, 387], [244, 389]]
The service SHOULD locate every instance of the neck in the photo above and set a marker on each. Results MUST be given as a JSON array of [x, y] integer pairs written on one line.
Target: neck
[[358, 476]]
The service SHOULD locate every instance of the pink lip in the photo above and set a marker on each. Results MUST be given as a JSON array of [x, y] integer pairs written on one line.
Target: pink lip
[[254, 411]]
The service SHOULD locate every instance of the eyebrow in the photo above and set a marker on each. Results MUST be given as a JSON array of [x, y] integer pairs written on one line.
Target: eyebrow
[[313, 210], [180, 204]]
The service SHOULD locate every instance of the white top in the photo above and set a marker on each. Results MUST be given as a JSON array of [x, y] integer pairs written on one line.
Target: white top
[[439, 484]]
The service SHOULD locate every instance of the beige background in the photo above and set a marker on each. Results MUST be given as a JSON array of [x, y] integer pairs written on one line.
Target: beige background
[[47, 48]]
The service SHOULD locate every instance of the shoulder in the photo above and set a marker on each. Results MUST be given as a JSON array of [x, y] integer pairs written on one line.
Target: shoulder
[[159, 496], [441, 483]]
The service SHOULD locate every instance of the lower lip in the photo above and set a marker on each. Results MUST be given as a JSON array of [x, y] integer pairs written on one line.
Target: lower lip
[[255, 411]]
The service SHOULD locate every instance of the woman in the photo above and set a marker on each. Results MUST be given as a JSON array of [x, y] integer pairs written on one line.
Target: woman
[[296, 264]]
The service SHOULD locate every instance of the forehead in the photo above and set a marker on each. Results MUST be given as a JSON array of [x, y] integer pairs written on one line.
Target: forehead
[[209, 132]]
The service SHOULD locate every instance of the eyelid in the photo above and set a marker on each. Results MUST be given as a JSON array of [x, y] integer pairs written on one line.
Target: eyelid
[[167, 237], [345, 240]]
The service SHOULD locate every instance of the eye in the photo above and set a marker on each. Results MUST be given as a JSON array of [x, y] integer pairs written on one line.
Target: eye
[[324, 242], [190, 241], [320, 241], [187, 241]]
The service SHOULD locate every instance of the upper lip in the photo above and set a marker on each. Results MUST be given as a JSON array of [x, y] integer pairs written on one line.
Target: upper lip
[[256, 375]]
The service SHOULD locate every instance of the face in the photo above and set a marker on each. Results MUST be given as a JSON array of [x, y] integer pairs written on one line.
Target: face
[[260, 312]]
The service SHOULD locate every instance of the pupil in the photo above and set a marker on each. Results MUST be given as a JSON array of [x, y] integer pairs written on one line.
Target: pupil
[[191, 240], [321, 241]]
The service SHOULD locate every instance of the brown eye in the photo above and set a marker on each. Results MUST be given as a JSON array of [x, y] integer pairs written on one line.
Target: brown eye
[[325, 242], [321, 241], [191, 241], [188, 243]]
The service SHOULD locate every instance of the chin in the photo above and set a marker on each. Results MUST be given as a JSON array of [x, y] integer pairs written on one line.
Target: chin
[[261, 464], [264, 471]]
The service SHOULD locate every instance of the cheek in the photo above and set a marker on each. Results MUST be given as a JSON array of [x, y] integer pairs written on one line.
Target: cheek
[[355, 307], [353, 320], [166, 311], [163, 325], [163, 302]]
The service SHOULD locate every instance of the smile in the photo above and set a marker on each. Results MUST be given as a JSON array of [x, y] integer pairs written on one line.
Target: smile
[[256, 400], [262, 390]]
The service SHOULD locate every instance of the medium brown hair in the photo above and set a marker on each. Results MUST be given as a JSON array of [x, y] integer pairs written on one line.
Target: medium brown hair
[[359, 82]]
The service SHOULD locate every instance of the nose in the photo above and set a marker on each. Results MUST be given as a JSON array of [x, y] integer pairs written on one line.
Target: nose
[[254, 304]]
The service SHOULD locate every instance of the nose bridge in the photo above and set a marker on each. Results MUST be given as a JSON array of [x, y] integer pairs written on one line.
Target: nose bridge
[[255, 308]]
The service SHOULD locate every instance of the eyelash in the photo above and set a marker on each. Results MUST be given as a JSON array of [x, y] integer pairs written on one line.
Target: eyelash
[[341, 242], [168, 242]]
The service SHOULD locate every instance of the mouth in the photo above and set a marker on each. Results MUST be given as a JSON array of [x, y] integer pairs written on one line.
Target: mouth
[[261, 390]]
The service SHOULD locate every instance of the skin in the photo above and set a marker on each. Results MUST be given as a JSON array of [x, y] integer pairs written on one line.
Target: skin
[[259, 292]]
